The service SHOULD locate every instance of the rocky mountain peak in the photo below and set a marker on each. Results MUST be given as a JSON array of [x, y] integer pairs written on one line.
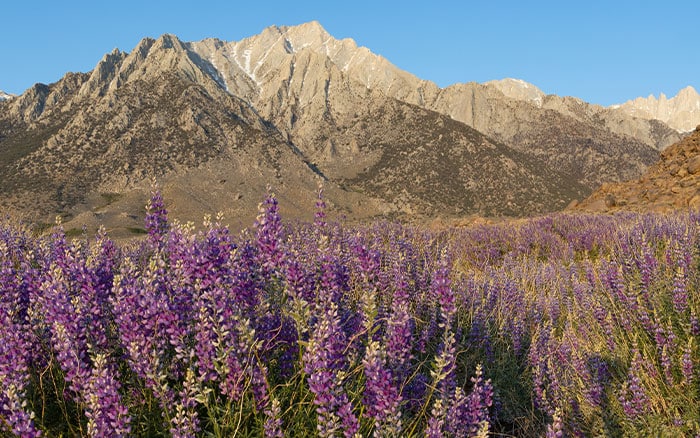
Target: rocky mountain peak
[[5, 96], [681, 112], [688, 93], [519, 90], [306, 33]]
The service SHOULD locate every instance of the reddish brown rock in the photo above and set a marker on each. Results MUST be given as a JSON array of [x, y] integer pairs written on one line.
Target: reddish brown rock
[[672, 183], [694, 164]]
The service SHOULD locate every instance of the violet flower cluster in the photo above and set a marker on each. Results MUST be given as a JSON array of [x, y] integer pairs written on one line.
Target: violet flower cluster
[[553, 326]]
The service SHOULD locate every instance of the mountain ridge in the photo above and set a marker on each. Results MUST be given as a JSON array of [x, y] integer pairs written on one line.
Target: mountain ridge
[[217, 122], [681, 112]]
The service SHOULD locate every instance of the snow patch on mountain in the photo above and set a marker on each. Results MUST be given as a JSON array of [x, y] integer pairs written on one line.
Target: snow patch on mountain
[[216, 74], [5, 96]]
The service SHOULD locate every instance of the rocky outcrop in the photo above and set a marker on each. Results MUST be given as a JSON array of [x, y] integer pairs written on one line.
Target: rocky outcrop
[[672, 183]]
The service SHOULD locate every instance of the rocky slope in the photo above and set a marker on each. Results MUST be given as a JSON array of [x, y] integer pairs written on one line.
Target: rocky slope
[[670, 184], [216, 122], [681, 112]]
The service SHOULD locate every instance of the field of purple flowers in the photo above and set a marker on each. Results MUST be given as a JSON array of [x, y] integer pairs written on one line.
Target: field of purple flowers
[[565, 325]]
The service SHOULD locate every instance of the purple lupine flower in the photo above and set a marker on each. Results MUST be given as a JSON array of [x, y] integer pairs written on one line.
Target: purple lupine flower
[[14, 376], [268, 234], [428, 332], [596, 377], [442, 291], [613, 278], [381, 396], [694, 324], [687, 366], [68, 335], [208, 317], [323, 360], [632, 394], [325, 356], [479, 400], [320, 214], [273, 420], [368, 267], [540, 362], [666, 347], [185, 423], [152, 327], [556, 428], [399, 331], [479, 335], [156, 219], [13, 411], [444, 380], [299, 283], [107, 415], [446, 363], [436, 422], [467, 414], [680, 290]]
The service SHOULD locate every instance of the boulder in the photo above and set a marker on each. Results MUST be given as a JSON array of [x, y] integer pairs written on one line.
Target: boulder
[[694, 165]]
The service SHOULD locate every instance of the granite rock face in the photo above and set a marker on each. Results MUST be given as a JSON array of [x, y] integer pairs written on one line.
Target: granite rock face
[[681, 112]]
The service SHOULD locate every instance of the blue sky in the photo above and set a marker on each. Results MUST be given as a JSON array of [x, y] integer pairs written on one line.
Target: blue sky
[[601, 51]]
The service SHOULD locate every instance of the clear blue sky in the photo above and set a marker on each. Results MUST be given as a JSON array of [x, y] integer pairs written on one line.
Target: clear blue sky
[[601, 51]]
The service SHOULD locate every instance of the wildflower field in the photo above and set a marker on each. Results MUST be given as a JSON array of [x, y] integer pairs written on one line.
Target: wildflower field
[[564, 325]]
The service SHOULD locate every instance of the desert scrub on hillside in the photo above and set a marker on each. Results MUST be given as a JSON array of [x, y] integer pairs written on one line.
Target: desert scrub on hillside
[[564, 325]]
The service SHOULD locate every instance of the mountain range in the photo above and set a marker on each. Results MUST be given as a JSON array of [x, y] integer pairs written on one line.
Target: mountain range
[[293, 108]]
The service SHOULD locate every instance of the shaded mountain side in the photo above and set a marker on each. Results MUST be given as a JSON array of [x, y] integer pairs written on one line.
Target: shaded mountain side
[[146, 129], [672, 183], [582, 149], [476, 104], [462, 172], [560, 133]]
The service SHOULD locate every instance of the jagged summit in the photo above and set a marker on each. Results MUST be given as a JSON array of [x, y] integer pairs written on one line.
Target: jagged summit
[[518, 89], [681, 112]]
